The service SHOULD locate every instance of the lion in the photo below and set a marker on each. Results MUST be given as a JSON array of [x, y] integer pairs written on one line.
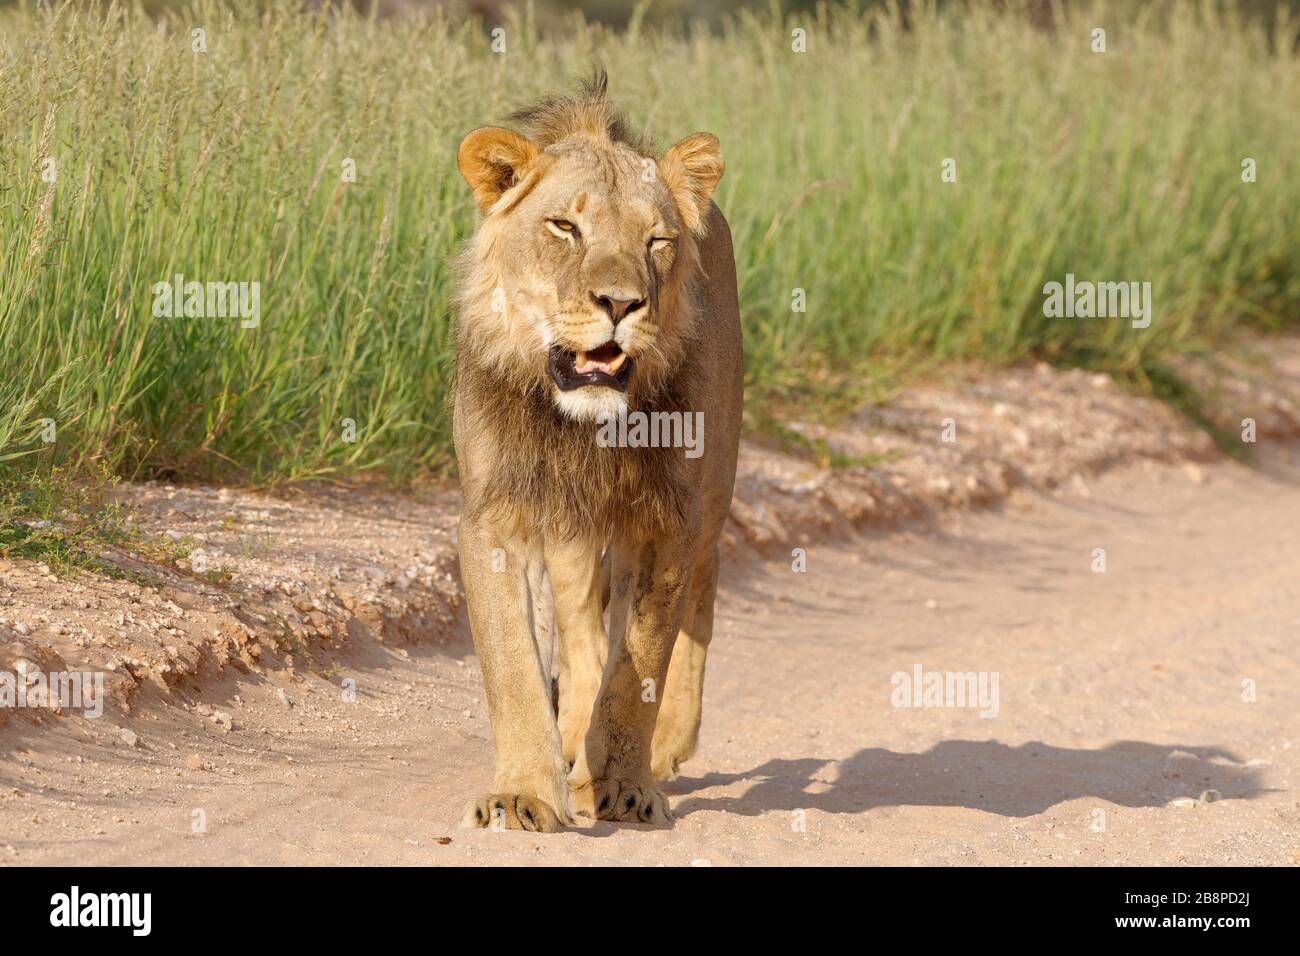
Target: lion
[[600, 282]]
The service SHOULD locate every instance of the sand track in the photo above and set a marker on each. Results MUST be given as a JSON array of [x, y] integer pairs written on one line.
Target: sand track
[[1120, 703]]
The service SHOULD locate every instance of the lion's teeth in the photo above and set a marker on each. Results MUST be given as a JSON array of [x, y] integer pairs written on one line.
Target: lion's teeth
[[583, 364]]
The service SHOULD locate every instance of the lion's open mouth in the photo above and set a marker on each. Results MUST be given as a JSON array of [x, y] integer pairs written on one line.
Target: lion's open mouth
[[607, 365]]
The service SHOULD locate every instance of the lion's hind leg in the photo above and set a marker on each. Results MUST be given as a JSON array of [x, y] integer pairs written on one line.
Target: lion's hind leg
[[678, 728]]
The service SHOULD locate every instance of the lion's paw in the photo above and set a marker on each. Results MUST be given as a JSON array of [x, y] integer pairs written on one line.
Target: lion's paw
[[666, 766], [623, 801], [510, 811]]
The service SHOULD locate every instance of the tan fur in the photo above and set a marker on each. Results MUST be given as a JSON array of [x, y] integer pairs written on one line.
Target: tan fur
[[544, 500]]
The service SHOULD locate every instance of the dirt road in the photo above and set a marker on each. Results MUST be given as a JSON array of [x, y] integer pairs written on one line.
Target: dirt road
[[1126, 730]]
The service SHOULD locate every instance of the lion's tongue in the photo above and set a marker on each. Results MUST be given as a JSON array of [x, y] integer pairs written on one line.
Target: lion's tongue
[[608, 359]]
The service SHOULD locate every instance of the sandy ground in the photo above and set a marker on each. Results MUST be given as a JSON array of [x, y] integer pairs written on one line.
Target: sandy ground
[[1122, 735]]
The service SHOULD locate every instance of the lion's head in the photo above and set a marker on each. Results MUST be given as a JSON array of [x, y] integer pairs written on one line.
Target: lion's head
[[578, 280]]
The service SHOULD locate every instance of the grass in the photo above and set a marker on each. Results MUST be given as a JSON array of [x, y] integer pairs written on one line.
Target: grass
[[74, 522], [226, 165]]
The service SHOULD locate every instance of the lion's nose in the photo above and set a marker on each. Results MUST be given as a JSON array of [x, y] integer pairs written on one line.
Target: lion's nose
[[616, 306]]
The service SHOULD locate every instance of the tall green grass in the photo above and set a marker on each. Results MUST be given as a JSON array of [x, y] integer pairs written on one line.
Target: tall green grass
[[226, 166]]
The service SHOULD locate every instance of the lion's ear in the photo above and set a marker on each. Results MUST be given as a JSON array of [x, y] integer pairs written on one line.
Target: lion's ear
[[691, 170], [492, 160]]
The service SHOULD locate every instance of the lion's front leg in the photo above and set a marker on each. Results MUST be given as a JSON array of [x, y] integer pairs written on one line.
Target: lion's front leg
[[613, 779], [574, 567], [529, 791]]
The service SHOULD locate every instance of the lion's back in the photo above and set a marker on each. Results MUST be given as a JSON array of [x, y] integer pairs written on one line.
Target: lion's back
[[721, 343]]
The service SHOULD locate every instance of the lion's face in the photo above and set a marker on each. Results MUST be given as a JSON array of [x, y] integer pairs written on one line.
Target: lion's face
[[584, 255]]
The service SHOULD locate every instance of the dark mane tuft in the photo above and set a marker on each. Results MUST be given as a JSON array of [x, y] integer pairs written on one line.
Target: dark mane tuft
[[586, 111]]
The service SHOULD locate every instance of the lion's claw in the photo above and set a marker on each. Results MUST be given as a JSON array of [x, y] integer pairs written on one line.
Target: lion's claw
[[509, 811], [624, 802]]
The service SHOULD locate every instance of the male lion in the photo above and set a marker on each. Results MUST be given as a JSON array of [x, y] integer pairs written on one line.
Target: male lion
[[600, 282]]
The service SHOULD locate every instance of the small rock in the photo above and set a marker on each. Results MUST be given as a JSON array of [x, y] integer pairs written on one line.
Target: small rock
[[1181, 763], [195, 762], [130, 738], [1182, 802], [1209, 796], [283, 696]]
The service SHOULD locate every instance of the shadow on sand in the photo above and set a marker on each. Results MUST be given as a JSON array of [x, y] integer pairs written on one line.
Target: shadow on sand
[[981, 775]]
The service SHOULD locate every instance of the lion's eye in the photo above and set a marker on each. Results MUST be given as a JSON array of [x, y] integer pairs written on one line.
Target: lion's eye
[[562, 227], [659, 242]]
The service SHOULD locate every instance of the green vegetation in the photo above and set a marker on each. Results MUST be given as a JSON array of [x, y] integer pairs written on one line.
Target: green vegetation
[[75, 522], [227, 165]]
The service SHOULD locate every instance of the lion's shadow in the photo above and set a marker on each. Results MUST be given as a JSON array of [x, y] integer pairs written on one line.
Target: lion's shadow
[[979, 774]]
